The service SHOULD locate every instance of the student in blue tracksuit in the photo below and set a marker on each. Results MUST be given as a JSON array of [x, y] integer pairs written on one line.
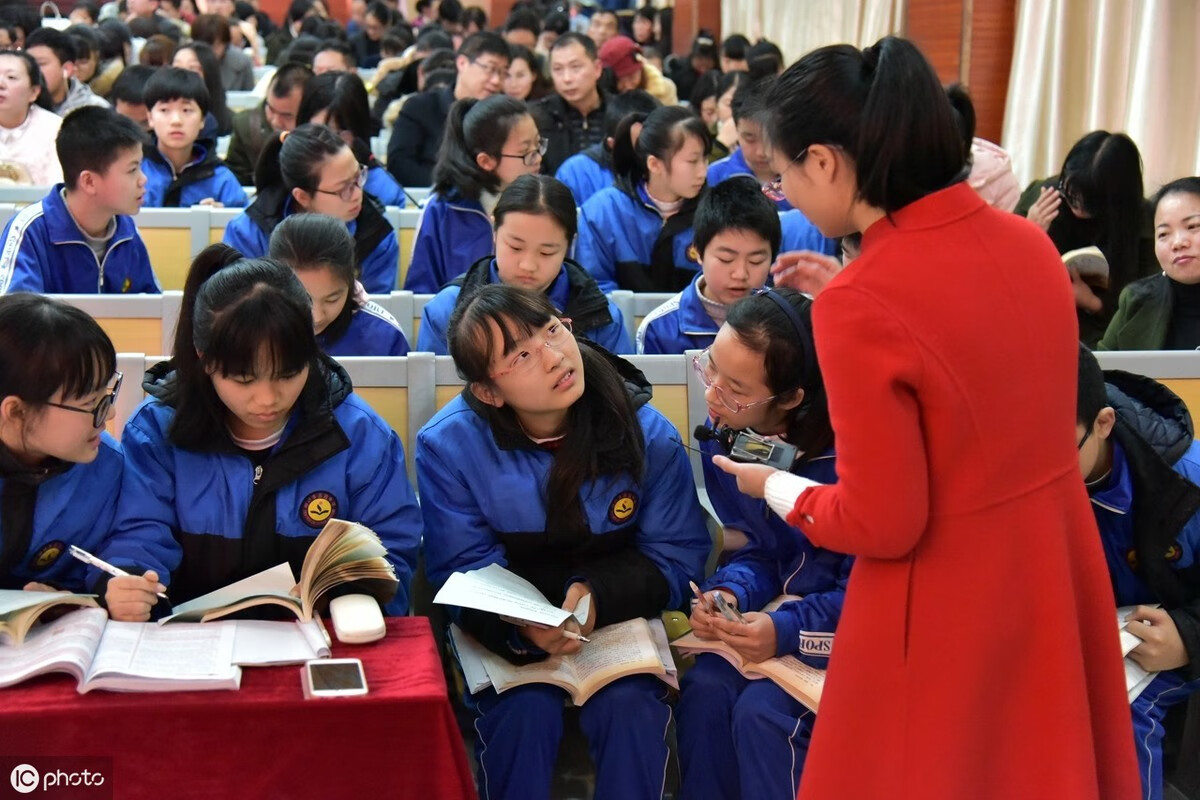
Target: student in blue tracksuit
[[250, 441], [588, 172], [312, 169], [1141, 465], [488, 144], [739, 737], [736, 235], [338, 100], [535, 226], [320, 251], [80, 239], [551, 464], [637, 235], [60, 472], [752, 156], [180, 171]]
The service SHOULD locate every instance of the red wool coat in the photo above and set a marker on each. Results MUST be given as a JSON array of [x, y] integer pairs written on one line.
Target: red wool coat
[[977, 654]]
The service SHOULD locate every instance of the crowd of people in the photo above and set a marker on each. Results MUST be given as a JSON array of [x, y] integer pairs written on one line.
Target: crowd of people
[[847, 255]]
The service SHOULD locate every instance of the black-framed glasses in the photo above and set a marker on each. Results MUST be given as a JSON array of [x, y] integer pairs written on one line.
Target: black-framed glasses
[[1083, 441], [100, 411], [773, 188], [346, 193], [492, 70], [533, 157]]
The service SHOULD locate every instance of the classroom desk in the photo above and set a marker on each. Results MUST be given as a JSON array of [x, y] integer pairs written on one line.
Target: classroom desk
[[264, 741]]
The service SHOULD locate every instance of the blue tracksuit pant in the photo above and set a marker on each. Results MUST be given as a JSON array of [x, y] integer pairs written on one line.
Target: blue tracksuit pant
[[1167, 689]]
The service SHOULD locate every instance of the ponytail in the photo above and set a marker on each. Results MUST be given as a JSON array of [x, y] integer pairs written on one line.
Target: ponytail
[[664, 132], [293, 159], [474, 127]]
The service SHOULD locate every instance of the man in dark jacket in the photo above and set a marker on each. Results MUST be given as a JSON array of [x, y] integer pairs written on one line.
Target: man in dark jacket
[[482, 64], [252, 127], [571, 119]]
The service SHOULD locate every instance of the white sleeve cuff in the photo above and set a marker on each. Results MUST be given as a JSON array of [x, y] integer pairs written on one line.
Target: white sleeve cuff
[[783, 489]]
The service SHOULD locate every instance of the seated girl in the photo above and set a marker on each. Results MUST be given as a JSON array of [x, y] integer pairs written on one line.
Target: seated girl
[[551, 464], [739, 737], [312, 169], [250, 441], [320, 251], [535, 226], [488, 144], [636, 234], [60, 471]]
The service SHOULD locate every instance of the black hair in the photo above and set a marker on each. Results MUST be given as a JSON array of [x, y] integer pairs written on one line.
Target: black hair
[[430, 39], [707, 85], [344, 99], [603, 434], [311, 241], [241, 9], [541, 195], [705, 46], [589, 46], [444, 76], [290, 77], [1092, 396], [396, 41], [964, 115], [884, 106], [473, 127], [664, 133], [91, 9], [130, 85], [736, 203], [541, 87], [381, 12], [339, 47], [636, 101], [648, 13], [35, 77], [606, 12], [734, 79], [294, 160], [92, 138], [211, 68], [173, 83], [556, 22], [302, 49], [145, 27], [764, 59], [422, 5], [10, 29], [62, 45], [298, 10], [210, 29], [233, 311], [734, 47], [764, 327], [442, 58], [87, 42], [483, 43], [47, 345], [1189, 185], [523, 19], [474, 15], [749, 98], [321, 29], [450, 11], [114, 37]]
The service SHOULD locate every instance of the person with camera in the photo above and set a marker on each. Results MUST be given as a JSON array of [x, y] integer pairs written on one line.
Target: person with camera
[[741, 737]]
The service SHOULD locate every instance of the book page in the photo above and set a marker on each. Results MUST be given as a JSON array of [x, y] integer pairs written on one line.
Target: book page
[[261, 643], [20, 609], [691, 644], [795, 677], [496, 589], [278, 582], [471, 656], [179, 652], [555, 670], [64, 645], [615, 650], [663, 647]]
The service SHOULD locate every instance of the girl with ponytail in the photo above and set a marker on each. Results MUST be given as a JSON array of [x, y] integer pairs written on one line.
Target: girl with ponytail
[[949, 350], [488, 144]]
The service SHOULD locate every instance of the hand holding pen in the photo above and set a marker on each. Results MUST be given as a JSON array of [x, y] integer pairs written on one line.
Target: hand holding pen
[[129, 598]]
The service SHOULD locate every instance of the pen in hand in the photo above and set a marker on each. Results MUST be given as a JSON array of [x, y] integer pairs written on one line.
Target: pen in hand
[[102, 565], [577, 637]]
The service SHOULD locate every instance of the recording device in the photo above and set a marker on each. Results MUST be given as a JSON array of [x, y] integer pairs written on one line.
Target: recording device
[[333, 677], [746, 447], [356, 619]]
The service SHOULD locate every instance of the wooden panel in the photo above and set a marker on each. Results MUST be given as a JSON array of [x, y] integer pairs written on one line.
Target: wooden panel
[[1188, 390], [993, 26], [143, 335], [406, 238], [170, 254], [689, 17], [936, 27], [445, 393], [391, 403], [671, 400]]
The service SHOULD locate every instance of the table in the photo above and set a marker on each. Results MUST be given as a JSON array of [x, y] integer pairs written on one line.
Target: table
[[266, 740]]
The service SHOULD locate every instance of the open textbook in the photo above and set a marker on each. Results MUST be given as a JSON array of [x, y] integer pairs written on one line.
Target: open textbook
[[341, 553], [615, 651], [494, 588], [20, 609], [142, 657], [1136, 678]]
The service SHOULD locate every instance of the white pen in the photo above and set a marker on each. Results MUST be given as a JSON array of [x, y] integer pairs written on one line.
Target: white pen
[[577, 637], [102, 565]]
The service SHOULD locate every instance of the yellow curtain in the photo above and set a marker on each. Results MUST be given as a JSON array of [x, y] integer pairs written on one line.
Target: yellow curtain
[[1118, 65], [798, 26]]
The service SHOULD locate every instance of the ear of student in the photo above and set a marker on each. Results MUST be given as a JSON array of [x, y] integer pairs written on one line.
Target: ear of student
[[486, 395]]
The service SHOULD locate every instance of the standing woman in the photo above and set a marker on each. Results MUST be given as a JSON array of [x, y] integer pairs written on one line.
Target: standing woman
[[979, 609]]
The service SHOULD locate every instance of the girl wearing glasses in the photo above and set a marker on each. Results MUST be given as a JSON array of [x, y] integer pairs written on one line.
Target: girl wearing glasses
[[320, 251], [535, 226], [488, 144], [313, 169], [637, 234], [60, 471], [551, 464], [976, 654], [250, 441], [761, 375]]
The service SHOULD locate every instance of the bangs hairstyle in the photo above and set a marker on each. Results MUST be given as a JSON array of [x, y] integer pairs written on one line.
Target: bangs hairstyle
[[544, 196], [664, 132], [518, 314], [314, 241], [35, 77], [47, 345], [473, 127], [736, 203], [172, 83], [343, 98], [764, 327]]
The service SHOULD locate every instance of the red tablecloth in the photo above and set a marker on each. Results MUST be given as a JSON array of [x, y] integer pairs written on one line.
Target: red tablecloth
[[266, 740]]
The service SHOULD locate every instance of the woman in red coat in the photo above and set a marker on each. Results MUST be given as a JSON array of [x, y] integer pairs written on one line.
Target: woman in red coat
[[977, 654]]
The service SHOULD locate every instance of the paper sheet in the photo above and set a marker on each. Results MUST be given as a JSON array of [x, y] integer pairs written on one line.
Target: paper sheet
[[495, 589]]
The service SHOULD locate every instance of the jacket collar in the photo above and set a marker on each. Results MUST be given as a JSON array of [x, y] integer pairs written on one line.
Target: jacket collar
[[574, 292], [61, 225], [933, 210]]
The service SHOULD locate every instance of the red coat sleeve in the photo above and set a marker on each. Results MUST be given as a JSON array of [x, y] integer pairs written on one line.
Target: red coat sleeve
[[872, 369]]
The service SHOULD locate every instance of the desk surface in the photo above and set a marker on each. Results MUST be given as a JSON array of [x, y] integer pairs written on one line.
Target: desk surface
[[264, 741]]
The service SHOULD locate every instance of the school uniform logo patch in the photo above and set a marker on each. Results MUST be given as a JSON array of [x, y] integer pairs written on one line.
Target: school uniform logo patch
[[317, 508], [1174, 553], [47, 555], [693, 254], [622, 507], [1132, 558]]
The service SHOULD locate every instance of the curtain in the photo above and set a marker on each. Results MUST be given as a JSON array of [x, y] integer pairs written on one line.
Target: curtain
[[1117, 65], [798, 26]]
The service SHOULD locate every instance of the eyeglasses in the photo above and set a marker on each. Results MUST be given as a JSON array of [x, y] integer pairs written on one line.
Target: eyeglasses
[[1086, 434], [492, 71], [347, 192], [702, 363], [555, 337], [531, 158], [100, 411], [773, 189]]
